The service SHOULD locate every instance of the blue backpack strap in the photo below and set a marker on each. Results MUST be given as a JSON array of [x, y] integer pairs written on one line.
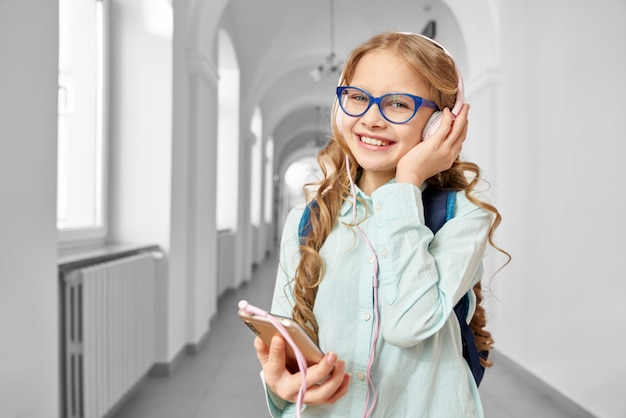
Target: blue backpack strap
[[439, 206], [305, 226], [470, 352]]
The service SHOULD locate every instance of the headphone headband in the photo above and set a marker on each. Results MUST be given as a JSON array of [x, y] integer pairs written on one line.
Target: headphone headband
[[460, 95]]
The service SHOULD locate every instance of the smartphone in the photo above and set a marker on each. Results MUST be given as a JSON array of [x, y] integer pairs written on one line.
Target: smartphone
[[264, 328]]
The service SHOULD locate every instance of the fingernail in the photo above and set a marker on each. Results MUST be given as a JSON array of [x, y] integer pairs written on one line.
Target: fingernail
[[331, 358]]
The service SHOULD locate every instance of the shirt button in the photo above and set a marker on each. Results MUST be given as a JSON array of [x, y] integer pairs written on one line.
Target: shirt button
[[384, 254], [372, 259], [361, 376], [379, 207], [366, 316]]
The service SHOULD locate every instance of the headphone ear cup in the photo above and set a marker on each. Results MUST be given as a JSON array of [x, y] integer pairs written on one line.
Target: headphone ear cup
[[432, 124]]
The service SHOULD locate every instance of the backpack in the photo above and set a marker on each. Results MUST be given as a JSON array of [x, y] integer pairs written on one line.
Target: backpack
[[439, 208]]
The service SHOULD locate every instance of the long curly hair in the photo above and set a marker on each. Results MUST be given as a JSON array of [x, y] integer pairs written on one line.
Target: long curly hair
[[439, 72]]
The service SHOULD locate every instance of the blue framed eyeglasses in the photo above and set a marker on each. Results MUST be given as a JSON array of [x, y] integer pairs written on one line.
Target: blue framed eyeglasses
[[395, 107]]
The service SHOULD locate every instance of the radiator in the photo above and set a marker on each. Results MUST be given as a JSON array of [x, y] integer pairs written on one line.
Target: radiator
[[108, 332]]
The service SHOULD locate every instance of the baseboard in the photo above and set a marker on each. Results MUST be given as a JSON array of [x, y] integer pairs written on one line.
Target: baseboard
[[166, 369], [126, 397], [195, 348], [564, 403]]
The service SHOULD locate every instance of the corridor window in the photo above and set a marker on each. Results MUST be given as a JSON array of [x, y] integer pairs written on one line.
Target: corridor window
[[81, 120]]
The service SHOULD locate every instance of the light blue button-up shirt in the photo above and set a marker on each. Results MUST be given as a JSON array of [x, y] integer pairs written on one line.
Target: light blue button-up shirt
[[419, 370]]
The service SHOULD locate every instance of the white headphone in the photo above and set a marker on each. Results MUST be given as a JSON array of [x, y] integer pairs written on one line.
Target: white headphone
[[435, 119]]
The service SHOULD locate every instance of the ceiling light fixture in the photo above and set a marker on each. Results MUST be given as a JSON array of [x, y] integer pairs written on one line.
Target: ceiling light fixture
[[330, 68]]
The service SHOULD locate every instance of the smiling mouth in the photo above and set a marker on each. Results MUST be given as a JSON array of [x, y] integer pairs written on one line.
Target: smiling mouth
[[374, 141]]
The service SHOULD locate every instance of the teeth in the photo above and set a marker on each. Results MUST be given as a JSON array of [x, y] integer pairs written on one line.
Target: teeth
[[372, 141]]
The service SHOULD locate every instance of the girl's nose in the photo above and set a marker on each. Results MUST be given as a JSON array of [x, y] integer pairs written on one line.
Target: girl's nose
[[373, 117]]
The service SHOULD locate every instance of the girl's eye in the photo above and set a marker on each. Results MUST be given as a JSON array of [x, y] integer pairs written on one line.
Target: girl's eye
[[399, 102], [359, 97]]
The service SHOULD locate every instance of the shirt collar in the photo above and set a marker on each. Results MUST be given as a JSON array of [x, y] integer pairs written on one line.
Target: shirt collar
[[346, 207]]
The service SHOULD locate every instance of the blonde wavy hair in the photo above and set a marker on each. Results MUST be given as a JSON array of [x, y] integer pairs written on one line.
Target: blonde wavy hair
[[439, 72]]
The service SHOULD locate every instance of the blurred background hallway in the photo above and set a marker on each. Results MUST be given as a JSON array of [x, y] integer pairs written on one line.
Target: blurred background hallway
[[159, 144]]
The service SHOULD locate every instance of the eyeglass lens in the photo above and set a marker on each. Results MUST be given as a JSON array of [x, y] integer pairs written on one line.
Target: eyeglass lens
[[396, 107]]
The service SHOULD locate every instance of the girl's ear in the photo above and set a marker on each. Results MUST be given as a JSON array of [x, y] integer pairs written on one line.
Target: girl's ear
[[339, 119]]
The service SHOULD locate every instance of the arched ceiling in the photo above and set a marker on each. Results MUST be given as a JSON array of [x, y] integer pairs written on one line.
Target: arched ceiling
[[279, 42]]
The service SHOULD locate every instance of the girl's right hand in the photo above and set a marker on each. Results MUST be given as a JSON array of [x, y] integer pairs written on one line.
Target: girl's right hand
[[286, 385], [437, 153]]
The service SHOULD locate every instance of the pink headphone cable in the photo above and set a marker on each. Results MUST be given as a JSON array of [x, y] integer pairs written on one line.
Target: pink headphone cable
[[302, 365]]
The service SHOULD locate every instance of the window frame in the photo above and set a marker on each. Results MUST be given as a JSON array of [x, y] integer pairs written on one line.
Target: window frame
[[96, 234]]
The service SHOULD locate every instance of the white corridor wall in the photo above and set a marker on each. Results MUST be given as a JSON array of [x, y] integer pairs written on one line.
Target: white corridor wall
[[29, 329], [559, 306]]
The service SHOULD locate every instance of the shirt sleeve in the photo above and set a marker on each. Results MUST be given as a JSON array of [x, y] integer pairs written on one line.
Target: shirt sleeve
[[282, 300], [278, 407], [421, 276]]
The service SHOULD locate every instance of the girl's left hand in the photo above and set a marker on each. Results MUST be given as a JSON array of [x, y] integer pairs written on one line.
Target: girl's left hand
[[437, 153], [327, 381]]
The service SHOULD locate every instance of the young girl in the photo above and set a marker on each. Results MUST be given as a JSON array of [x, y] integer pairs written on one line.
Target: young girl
[[371, 284]]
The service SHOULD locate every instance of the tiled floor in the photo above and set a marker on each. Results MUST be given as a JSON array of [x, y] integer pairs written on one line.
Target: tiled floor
[[222, 380]]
